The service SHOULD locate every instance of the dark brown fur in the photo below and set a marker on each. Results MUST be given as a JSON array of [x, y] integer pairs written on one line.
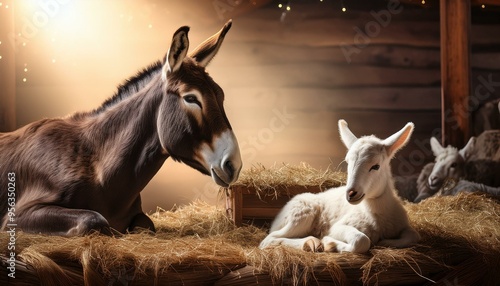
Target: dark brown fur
[[85, 172]]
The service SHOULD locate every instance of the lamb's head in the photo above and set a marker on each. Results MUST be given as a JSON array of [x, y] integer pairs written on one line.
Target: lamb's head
[[368, 162], [449, 163]]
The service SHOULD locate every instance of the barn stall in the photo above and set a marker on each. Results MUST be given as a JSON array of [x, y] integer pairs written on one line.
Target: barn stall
[[304, 68]]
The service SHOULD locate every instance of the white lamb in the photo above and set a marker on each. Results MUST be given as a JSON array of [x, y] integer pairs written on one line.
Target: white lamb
[[354, 217]]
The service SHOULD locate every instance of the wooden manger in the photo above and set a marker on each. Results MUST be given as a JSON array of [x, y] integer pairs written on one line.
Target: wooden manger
[[260, 193], [199, 245]]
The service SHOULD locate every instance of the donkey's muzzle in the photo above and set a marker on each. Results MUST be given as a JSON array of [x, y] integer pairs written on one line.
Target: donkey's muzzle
[[223, 159], [225, 175], [229, 169]]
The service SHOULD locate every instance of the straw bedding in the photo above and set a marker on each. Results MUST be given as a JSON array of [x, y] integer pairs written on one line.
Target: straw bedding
[[198, 245]]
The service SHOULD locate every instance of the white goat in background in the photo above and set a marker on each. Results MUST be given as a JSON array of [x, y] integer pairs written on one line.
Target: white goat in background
[[353, 217]]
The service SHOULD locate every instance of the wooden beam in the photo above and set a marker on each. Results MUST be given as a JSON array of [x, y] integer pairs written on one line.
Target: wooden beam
[[7, 71], [455, 70]]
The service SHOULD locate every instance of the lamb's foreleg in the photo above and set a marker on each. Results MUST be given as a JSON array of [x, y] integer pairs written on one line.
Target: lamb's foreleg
[[293, 227], [344, 238], [408, 237]]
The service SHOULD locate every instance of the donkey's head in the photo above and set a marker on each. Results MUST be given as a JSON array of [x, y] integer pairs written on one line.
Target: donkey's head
[[450, 162], [368, 158], [192, 125]]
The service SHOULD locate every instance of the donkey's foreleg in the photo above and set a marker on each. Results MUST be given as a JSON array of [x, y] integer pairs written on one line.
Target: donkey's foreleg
[[408, 237], [141, 221], [58, 220], [344, 238]]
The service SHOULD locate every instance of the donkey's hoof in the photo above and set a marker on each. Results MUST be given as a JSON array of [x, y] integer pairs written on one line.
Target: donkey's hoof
[[312, 244]]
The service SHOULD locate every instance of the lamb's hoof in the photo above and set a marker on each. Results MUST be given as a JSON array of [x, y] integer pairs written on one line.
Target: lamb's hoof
[[331, 247], [313, 244]]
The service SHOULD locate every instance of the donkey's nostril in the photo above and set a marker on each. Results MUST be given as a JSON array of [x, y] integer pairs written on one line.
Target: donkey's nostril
[[229, 169]]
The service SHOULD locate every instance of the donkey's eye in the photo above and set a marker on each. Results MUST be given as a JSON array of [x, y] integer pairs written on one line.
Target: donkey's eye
[[453, 165], [375, 167], [190, 98]]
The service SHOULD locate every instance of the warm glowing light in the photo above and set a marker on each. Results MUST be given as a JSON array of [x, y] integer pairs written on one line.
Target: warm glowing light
[[344, 9], [0, 4], [150, 26], [24, 44], [53, 60], [288, 8], [0, 57], [483, 6], [6, 6], [0, 42], [280, 5], [25, 69], [24, 79], [423, 2]]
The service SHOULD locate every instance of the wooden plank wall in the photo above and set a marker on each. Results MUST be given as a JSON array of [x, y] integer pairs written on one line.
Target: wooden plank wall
[[317, 68]]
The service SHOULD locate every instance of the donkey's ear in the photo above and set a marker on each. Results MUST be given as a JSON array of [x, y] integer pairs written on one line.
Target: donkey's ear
[[468, 150], [347, 137], [207, 50], [399, 139], [177, 52], [436, 146]]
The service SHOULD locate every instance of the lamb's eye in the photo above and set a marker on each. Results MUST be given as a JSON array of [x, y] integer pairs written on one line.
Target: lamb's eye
[[375, 167], [190, 98], [453, 165]]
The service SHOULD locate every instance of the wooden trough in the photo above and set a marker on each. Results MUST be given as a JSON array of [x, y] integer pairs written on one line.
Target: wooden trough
[[260, 193], [199, 245]]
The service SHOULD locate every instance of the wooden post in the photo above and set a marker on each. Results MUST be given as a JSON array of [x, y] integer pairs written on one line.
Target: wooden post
[[7, 71], [455, 71]]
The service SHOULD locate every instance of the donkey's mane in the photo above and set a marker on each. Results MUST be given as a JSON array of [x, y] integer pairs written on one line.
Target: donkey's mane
[[130, 86]]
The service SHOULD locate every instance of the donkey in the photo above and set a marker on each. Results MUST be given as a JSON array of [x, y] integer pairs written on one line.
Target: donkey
[[353, 217], [85, 172]]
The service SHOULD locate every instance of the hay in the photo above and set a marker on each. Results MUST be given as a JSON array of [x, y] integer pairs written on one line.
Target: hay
[[269, 181], [198, 245]]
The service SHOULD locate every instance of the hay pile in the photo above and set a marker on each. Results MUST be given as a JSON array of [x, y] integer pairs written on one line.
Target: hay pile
[[276, 180], [199, 245]]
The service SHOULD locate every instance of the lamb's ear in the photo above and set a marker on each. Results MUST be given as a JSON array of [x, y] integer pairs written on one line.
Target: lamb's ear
[[347, 137], [177, 52], [436, 146], [398, 139], [207, 50], [468, 150]]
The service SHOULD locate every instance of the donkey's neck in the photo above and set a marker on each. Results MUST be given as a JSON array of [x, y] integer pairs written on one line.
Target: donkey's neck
[[127, 138]]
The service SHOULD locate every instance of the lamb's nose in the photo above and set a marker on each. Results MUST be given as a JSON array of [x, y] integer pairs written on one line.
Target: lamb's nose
[[432, 180], [351, 193]]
